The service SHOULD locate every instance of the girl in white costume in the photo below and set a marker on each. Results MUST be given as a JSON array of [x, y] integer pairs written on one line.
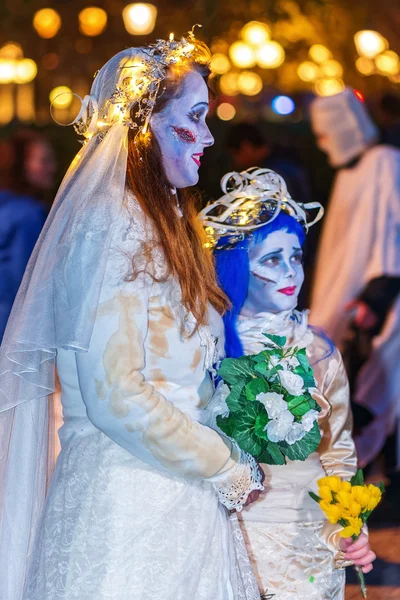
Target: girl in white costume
[[135, 509], [259, 233]]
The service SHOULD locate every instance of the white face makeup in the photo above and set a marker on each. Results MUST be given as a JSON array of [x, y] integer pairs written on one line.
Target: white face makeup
[[276, 274], [182, 133]]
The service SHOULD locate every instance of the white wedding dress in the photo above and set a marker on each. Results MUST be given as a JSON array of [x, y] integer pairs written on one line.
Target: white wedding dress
[[133, 510]]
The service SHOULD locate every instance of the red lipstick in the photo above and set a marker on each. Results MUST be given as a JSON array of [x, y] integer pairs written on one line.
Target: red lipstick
[[197, 160], [288, 291]]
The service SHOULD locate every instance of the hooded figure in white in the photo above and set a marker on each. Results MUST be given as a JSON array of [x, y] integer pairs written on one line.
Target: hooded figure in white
[[357, 280]]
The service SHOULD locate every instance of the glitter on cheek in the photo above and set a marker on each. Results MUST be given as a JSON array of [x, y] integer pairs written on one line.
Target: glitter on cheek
[[183, 134]]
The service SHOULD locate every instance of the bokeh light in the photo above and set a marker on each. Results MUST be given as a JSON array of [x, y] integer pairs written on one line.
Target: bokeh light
[[47, 23], [11, 50], [332, 68], [388, 62], [319, 53], [61, 96], [92, 21], [255, 33], [359, 95], [270, 55], [220, 63], [365, 66], [7, 70], [370, 43], [139, 18], [329, 87], [242, 55], [308, 71], [249, 83], [226, 111], [229, 84], [25, 70], [283, 105]]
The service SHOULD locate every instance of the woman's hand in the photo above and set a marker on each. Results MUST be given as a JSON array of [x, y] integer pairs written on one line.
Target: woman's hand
[[253, 496], [359, 552]]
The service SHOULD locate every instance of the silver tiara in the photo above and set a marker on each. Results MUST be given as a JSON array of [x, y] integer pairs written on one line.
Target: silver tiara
[[251, 199]]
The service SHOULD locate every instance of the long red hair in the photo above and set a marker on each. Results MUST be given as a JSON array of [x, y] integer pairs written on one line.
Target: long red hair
[[181, 238]]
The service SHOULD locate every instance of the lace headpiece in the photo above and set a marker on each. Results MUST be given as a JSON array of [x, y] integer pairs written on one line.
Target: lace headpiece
[[138, 83], [251, 199]]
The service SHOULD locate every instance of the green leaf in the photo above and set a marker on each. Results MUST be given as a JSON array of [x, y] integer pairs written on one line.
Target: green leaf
[[358, 478], [261, 368], [276, 454], [303, 448], [381, 486], [225, 424], [255, 387], [303, 360], [242, 427], [314, 496], [298, 405], [276, 339], [308, 378], [259, 427], [233, 401], [234, 370]]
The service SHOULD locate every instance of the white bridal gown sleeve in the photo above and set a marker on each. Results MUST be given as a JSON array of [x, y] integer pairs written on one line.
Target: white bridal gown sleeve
[[134, 510]]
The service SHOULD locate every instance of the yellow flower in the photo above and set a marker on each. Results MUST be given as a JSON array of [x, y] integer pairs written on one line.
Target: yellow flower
[[332, 511], [354, 509], [325, 493], [345, 486], [353, 527], [361, 494], [375, 496], [332, 482], [344, 498]]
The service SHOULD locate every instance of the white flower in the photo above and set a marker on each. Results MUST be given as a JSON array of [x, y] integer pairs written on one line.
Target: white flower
[[286, 363], [296, 433], [292, 361], [217, 405], [277, 429], [291, 382], [273, 402], [309, 419]]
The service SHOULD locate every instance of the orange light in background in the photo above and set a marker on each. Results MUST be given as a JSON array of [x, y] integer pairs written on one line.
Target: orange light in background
[[319, 53], [139, 18], [270, 55], [255, 33], [365, 66], [47, 23], [329, 87], [25, 70], [92, 21], [61, 97], [12, 51], [388, 62], [220, 63], [332, 68], [249, 83], [7, 70], [226, 111], [370, 43], [308, 71], [242, 55], [229, 84]]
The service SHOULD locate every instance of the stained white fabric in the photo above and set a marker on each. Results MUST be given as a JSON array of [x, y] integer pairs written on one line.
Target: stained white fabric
[[343, 126], [361, 241]]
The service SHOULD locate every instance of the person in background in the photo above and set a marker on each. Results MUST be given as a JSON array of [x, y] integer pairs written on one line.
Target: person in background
[[355, 297], [248, 146], [27, 174]]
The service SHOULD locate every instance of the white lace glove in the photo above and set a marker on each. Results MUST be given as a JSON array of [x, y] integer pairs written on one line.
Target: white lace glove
[[245, 477]]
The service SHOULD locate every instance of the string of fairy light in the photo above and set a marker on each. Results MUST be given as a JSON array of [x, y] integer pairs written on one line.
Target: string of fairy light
[[243, 63]]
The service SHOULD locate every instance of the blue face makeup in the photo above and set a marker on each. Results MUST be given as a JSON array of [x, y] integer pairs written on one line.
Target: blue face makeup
[[182, 132], [276, 273]]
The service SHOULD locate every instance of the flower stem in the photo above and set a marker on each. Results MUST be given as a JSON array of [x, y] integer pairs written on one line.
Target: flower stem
[[362, 582]]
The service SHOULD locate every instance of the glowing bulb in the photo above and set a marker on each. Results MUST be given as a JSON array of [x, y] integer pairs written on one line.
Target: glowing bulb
[[229, 84], [242, 55], [283, 105], [47, 22], [319, 53], [255, 33], [329, 87], [365, 66], [249, 83], [359, 95], [220, 63], [308, 71], [140, 19], [370, 43], [171, 37], [226, 111], [388, 62], [7, 70], [270, 55], [92, 21], [61, 96], [25, 70]]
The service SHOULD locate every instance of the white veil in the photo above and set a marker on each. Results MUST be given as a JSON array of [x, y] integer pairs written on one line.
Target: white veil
[[56, 308]]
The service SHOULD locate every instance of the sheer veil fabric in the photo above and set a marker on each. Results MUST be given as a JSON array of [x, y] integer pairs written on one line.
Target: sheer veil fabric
[[55, 308]]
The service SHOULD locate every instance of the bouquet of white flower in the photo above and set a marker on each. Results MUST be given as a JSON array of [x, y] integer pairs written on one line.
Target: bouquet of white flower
[[269, 409]]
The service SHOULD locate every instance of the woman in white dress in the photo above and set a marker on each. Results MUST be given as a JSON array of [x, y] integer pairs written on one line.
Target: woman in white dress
[[259, 232], [136, 507]]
